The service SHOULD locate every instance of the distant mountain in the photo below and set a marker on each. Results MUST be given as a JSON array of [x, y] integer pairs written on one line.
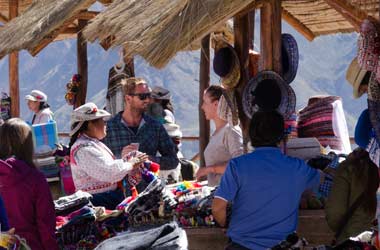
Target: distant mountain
[[322, 70]]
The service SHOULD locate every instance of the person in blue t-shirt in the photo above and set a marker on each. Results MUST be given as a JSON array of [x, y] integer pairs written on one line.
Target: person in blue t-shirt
[[265, 188]]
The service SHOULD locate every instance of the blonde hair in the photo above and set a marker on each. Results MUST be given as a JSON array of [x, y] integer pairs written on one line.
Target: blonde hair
[[129, 84]]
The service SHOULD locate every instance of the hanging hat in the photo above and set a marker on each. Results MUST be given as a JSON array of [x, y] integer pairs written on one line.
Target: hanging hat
[[289, 57], [373, 89], [226, 65], [86, 112], [369, 44], [363, 129], [357, 76], [37, 96], [268, 91], [160, 93]]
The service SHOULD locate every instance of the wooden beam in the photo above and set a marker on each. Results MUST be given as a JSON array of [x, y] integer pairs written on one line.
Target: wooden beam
[[204, 83], [351, 13], [270, 39], [297, 25], [87, 15], [105, 2], [243, 31], [3, 18], [252, 6], [14, 88], [82, 64]]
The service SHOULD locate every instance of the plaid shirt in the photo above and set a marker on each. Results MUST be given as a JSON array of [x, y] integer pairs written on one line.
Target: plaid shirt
[[151, 136]]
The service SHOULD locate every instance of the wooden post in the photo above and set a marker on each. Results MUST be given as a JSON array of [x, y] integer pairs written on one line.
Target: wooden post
[[82, 65], [243, 32], [270, 39], [204, 82], [14, 89]]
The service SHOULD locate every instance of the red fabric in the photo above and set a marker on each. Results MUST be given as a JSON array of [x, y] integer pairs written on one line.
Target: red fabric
[[28, 203]]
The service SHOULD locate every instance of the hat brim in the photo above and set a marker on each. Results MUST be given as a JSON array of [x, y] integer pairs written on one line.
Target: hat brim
[[30, 98], [289, 49], [288, 97], [231, 79], [355, 76], [86, 117]]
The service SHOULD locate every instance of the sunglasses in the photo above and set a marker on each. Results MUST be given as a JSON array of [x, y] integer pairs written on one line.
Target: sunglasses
[[142, 96]]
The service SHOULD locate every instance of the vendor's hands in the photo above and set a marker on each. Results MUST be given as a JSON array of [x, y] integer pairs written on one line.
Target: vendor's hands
[[138, 159], [202, 172], [129, 148], [8, 239]]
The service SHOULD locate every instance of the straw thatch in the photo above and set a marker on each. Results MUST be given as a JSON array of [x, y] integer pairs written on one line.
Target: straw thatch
[[322, 17], [42, 20], [157, 29]]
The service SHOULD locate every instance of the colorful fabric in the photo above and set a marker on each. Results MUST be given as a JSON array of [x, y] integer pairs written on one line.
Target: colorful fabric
[[151, 136], [28, 203], [275, 183], [324, 119], [325, 187], [94, 167]]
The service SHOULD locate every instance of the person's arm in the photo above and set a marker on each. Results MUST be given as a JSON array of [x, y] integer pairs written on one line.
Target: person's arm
[[212, 169], [337, 203], [45, 215], [219, 211], [168, 159], [100, 165]]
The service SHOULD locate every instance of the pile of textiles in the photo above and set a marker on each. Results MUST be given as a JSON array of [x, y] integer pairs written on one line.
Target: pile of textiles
[[323, 118], [80, 225]]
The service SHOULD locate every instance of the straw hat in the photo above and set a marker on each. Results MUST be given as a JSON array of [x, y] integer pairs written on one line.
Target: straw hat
[[356, 77], [289, 57], [86, 112], [226, 65], [267, 91], [37, 96]]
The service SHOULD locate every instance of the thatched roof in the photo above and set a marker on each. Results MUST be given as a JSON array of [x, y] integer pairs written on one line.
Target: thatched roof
[[313, 18], [41, 22], [157, 29]]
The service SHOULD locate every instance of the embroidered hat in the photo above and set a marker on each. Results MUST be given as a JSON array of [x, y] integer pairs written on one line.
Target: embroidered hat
[[369, 44], [289, 57], [357, 76], [37, 96], [226, 65], [86, 112], [373, 89], [160, 93], [267, 91]]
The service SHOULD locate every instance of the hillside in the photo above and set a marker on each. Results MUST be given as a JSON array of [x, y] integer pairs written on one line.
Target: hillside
[[322, 70]]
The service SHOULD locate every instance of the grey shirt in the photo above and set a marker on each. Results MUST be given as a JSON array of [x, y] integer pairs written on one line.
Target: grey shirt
[[227, 143]]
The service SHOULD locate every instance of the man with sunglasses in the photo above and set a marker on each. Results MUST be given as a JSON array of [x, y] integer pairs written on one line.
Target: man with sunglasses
[[131, 127]]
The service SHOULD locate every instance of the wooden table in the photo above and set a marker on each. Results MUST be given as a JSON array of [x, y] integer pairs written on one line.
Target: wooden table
[[312, 226]]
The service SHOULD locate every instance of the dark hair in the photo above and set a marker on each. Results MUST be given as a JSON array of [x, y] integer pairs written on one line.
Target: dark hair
[[16, 140], [74, 137], [43, 105], [266, 128], [167, 104], [360, 159], [214, 92]]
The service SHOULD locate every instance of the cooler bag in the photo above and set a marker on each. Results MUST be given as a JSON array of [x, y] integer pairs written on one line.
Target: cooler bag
[[45, 137]]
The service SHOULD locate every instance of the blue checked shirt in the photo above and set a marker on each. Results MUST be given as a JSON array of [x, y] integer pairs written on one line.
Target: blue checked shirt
[[151, 136]]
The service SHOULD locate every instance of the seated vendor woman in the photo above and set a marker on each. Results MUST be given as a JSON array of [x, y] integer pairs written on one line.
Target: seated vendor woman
[[94, 167]]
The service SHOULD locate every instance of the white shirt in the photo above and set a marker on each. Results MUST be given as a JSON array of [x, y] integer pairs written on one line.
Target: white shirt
[[94, 167], [43, 116]]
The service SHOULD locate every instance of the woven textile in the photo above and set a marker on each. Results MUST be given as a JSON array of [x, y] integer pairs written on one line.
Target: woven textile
[[324, 119]]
